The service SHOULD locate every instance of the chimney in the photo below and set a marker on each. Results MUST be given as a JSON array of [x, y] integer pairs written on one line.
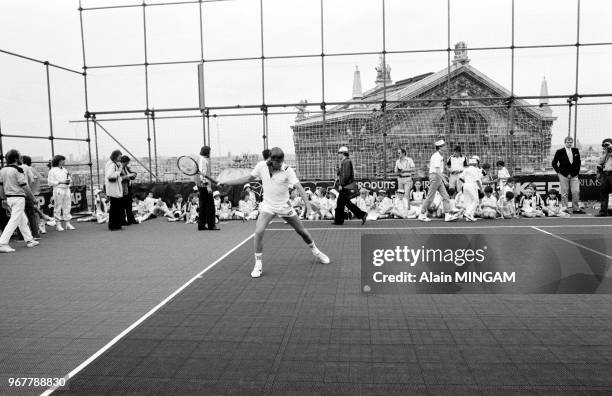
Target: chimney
[[357, 93]]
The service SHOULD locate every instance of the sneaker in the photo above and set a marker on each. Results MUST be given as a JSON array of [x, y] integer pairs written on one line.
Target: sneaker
[[423, 217], [257, 270], [6, 249], [51, 223], [42, 229], [59, 227], [31, 244], [321, 256], [450, 217], [470, 218], [69, 226]]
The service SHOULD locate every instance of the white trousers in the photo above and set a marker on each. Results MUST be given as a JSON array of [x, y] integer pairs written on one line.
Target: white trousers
[[62, 204], [18, 220], [470, 198]]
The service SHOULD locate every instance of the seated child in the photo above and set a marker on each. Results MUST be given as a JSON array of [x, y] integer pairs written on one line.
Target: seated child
[[100, 213], [530, 204], [314, 204], [401, 207], [225, 209], [506, 206], [142, 211], [297, 203], [364, 200], [552, 205], [192, 210], [246, 210], [328, 205], [161, 209], [417, 195], [382, 206], [178, 208], [488, 204]]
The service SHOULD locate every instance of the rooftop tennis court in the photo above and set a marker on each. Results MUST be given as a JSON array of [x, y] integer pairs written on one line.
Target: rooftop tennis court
[[302, 327]]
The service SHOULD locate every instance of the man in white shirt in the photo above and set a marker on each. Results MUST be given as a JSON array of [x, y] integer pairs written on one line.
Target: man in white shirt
[[276, 177], [436, 183]]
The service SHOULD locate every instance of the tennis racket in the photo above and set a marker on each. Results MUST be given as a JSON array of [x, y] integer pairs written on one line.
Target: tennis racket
[[189, 167]]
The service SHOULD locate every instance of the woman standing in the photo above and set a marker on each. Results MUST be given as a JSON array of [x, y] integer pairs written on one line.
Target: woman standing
[[114, 190], [404, 167], [59, 179]]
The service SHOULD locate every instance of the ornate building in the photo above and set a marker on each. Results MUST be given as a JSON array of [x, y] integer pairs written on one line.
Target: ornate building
[[485, 127]]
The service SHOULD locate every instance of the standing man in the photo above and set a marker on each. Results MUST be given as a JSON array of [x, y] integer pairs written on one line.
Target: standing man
[[436, 183], [207, 203], [347, 187], [276, 177], [604, 170], [14, 191], [566, 163], [114, 190], [404, 167], [456, 163]]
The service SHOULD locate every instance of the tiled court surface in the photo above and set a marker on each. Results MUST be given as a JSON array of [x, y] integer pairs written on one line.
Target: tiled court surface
[[305, 328], [63, 300]]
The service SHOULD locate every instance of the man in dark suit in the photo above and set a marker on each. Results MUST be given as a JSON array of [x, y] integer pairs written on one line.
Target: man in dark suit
[[567, 165], [346, 186]]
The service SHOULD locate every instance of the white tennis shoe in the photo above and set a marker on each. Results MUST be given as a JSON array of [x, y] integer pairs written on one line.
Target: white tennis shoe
[[257, 270], [423, 217], [450, 217], [69, 226], [321, 256], [6, 249]]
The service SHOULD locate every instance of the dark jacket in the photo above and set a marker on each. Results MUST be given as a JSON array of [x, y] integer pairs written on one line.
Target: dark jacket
[[345, 173], [562, 165]]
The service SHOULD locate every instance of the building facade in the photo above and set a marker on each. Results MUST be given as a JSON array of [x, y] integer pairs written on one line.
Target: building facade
[[520, 134]]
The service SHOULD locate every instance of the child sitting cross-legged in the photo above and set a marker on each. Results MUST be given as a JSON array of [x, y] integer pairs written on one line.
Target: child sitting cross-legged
[[506, 206], [530, 204], [552, 205], [488, 204], [401, 207]]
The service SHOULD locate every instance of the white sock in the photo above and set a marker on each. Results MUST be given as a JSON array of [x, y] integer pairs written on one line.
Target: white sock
[[258, 257], [313, 247]]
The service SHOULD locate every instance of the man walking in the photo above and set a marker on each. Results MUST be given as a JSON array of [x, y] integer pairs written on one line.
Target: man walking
[[604, 170], [436, 183], [566, 163], [346, 187], [14, 192]]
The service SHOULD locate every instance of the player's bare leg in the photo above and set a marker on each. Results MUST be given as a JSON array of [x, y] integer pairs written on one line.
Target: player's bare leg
[[260, 228], [298, 226]]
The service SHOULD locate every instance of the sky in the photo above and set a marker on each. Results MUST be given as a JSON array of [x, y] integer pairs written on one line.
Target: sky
[[50, 30]]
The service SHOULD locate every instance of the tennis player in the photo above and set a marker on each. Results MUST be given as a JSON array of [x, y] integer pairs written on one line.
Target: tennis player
[[276, 177]]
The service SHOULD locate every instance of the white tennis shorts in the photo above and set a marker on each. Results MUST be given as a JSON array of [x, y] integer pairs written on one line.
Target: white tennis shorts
[[281, 211]]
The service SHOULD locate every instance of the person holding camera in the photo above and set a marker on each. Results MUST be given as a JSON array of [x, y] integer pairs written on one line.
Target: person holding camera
[[604, 172], [114, 190], [126, 186]]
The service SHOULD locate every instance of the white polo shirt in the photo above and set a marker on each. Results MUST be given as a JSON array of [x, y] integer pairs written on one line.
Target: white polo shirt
[[275, 187], [436, 161]]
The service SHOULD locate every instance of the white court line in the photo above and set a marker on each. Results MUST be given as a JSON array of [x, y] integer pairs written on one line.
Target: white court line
[[573, 243], [142, 319], [339, 228]]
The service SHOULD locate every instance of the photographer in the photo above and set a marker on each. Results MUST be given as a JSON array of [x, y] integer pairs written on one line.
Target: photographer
[[127, 176], [604, 171]]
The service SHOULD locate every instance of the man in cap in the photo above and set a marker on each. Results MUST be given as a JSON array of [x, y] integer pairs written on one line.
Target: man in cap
[[604, 170], [276, 177], [436, 183], [346, 187]]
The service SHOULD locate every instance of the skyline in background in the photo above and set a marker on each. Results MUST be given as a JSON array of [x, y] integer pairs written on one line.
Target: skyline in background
[[49, 30]]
